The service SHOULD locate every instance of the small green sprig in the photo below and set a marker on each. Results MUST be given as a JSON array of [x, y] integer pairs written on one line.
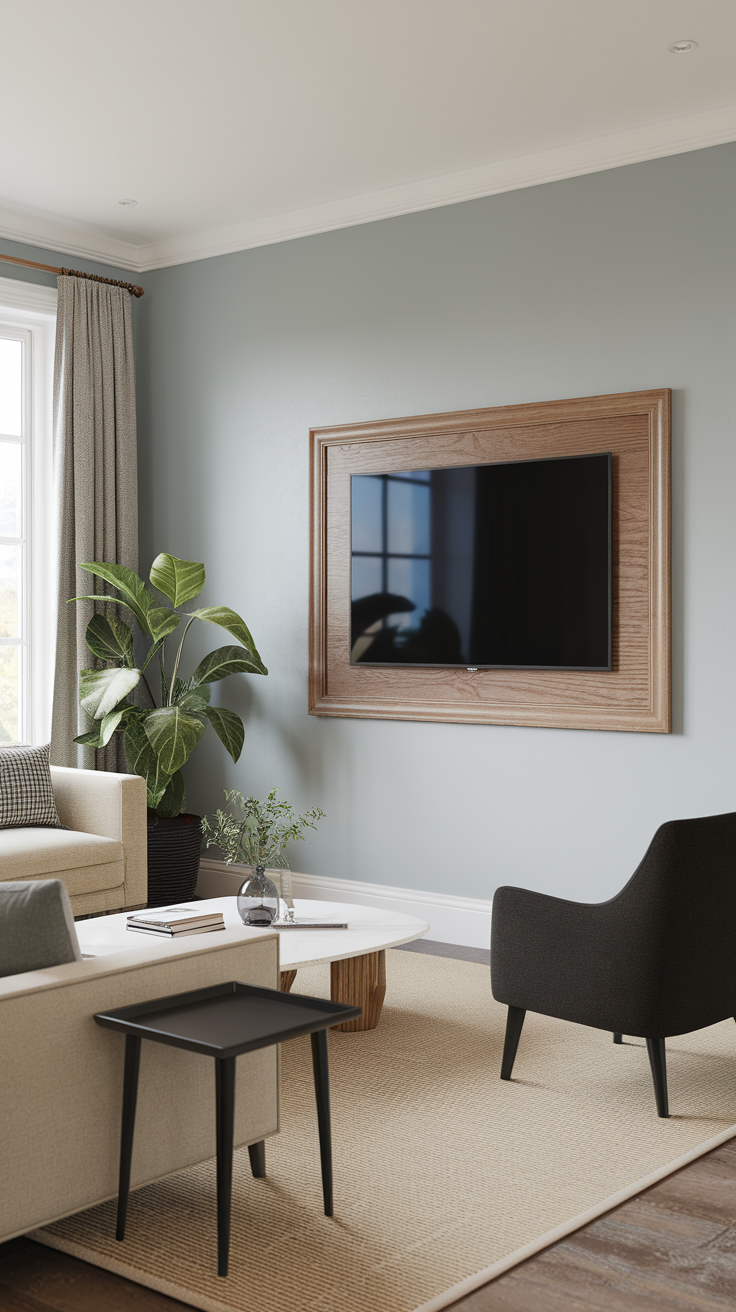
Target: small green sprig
[[259, 836]]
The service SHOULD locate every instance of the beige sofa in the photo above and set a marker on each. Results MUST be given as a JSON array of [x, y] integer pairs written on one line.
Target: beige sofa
[[61, 1076], [102, 857]]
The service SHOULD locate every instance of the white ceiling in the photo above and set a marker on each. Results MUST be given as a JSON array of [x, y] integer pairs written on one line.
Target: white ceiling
[[236, 123]]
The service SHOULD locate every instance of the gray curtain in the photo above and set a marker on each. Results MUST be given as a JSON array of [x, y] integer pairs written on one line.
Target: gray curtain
[[95, 474]]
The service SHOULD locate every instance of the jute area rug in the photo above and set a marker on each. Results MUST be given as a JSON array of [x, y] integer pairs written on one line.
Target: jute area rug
[[444, 1174]]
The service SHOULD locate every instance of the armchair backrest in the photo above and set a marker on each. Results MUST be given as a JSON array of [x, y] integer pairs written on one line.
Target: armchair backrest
[[679, 908], [36, 926]]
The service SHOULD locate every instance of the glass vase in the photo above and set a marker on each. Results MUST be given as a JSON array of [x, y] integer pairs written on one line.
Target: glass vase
[[258, 900]]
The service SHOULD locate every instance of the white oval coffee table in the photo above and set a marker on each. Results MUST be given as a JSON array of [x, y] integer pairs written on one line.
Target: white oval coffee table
[[357, 955]]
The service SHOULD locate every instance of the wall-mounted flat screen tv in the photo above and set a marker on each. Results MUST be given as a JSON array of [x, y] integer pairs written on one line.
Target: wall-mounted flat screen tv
[[490, 566]]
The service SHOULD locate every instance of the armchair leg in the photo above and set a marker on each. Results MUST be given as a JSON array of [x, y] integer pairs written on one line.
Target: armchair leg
[[658, 1063], [618, 1038], [514, 1024]]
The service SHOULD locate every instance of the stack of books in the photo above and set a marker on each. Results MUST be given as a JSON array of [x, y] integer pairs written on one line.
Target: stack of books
[[175, 922]]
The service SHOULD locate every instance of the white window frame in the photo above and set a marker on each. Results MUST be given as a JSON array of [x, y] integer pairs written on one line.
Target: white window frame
[[28, 312]]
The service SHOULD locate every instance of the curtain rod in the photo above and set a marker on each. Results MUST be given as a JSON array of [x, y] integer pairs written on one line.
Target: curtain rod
[[73, 273]]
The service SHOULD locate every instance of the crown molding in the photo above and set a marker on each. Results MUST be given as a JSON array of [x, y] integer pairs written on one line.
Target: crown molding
[[593, 155], [56, 235]]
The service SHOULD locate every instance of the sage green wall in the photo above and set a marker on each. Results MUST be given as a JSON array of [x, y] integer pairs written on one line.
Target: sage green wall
[[612, 282]]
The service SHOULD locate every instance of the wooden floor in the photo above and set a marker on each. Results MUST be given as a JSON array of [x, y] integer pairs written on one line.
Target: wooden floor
[[38, 1279], [670, 1249]]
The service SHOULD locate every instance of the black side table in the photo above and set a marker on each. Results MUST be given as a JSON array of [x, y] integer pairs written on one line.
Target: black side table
[[223, 1022]]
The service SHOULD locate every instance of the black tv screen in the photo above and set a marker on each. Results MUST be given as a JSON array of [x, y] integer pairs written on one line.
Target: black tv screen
[[490, 566]]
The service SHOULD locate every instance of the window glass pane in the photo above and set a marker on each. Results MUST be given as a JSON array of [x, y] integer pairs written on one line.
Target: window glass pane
[[367, 528], [9, 695], [10, 489], [420, 475], [409, 578], [10, 592], [366, 576], [10, 386], [408, 518]]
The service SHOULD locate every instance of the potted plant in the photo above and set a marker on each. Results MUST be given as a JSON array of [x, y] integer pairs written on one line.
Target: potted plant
[[160, 736], [258, 837]]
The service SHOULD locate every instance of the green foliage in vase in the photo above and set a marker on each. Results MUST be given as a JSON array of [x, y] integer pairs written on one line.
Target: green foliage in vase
[[159, 738], [259, 834]]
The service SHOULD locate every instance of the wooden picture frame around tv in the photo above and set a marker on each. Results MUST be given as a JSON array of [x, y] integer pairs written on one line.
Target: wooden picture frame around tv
[[634, 695]]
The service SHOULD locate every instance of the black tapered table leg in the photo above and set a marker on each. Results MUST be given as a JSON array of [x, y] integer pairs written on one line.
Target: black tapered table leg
[[514, 1025], [225, 1089], [322, 1094], [618, 1038], [658, 1064], [130, 1095], [257, 1154]]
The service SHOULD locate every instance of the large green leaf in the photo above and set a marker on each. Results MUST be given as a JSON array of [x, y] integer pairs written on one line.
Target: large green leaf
[[229, 729], [100, 596], [230, 620], [111, 639], [143, 760], [162, 621], [110, 723], [179, 580], [220, 663], [101, 690], [173, 735], [138, 751], [133, 591], [101, 736], [192, 702], [89, 739], [172, 802]]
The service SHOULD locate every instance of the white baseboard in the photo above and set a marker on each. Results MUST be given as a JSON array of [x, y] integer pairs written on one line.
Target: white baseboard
[[461, 920]]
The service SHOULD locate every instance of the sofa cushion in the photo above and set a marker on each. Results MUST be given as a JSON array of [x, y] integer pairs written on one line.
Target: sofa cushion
[[85, 862], [26, 795]]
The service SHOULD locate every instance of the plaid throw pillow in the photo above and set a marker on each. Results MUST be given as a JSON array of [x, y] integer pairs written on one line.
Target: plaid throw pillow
[[26, 795]]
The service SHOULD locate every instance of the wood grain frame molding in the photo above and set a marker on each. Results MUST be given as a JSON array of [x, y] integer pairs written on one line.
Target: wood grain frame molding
[[635, 694]]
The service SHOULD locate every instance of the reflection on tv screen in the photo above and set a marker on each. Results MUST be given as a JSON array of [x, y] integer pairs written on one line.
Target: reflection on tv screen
[[505, 565]]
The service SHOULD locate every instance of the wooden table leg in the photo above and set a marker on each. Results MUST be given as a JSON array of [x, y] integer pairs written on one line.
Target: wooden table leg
[[225, 1088], [360, 982], [287, 979]]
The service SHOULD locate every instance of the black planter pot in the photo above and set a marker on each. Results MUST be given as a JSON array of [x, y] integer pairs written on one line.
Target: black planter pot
[[173, 858]]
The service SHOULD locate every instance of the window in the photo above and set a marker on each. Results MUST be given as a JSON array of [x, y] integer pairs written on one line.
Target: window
[[391, 551], [27, 575]]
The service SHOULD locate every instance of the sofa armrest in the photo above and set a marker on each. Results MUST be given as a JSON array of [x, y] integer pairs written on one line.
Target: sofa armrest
[[112, 806]]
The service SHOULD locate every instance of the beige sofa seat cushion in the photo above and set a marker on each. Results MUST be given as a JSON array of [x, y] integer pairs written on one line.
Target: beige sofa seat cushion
[[85, 862]]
